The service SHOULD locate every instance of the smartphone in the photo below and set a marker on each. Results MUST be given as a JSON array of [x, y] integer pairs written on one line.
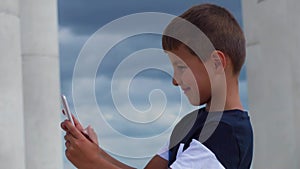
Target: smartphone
[[69, 114], [67, 109]]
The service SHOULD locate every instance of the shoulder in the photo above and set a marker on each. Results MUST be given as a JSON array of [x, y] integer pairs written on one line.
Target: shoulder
[[184, 128], [233, 129], [232, 139], [221, 132], [232, 123], [223, 143]]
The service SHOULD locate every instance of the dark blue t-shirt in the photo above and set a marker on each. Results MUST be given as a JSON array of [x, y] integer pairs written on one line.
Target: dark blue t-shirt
[[227, 134]]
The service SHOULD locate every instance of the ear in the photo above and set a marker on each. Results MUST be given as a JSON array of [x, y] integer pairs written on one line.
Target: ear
[[219, 60]]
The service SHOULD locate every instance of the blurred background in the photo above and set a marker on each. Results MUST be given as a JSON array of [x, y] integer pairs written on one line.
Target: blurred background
[[42, 40]]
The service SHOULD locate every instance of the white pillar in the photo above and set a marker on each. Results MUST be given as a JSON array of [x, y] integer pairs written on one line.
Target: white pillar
[[272, 67], [294, 36], [11, 99], [41, 83]]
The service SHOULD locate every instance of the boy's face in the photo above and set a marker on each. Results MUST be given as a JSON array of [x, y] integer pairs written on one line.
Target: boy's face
[[190, 74]]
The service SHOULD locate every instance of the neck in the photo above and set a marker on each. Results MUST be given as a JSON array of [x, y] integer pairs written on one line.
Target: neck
[[232, 99]]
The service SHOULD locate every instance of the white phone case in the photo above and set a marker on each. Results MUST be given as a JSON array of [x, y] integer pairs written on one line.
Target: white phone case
[[67, 109]]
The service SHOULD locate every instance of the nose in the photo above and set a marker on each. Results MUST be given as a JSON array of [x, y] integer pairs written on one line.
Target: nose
[[174, 82]]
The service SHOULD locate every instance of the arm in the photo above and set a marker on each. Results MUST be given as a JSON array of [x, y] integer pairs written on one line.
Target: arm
[[86, 154], [157, 163]]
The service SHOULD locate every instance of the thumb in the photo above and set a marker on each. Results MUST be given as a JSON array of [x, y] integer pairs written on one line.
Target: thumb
[[90, 131]]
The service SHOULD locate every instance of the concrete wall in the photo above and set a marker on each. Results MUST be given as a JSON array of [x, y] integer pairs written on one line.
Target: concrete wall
[[41, 83], [294, 43], [29, 85], [11, 99], [272, 32]]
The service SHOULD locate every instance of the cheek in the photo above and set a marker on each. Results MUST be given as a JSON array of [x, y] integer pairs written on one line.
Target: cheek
[[189, 78], [200, 82]]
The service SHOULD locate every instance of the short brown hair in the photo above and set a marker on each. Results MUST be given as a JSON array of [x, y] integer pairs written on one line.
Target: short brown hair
[[219, 26]]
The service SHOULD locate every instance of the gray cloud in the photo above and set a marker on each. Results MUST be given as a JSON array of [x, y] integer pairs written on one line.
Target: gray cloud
[[85, 17], [78, 19]]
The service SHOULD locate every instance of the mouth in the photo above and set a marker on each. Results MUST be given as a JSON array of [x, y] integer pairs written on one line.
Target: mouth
[[186, 89]]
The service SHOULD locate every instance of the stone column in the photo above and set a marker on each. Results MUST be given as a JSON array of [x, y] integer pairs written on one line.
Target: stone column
[[11, 97], [39, 39], [273, 81], [294, 43]]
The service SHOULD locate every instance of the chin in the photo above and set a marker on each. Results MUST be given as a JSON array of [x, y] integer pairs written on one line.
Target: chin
[[194, 102], [197, 102]]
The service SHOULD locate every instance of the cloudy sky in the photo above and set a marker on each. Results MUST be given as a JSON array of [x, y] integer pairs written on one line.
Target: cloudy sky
[[126, 93]]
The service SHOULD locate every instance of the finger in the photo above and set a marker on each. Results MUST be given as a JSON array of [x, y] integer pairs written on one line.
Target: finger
[[73, 130], [63, 125], [92, 134], [70, 138], [67, 144], [67, 153], [66, 136], [77, 123]]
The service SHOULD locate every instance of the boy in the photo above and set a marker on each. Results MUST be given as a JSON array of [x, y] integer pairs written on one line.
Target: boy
[[216, 136]]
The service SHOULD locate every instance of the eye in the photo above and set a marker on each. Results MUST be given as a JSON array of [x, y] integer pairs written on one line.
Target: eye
[[180, 67]]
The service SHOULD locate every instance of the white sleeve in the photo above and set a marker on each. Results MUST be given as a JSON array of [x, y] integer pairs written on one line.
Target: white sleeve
[[163, 152], [196, 156]]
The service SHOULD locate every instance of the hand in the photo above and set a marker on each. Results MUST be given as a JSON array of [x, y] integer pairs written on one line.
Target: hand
[[87, 132], [84, 152], [79, 150], [92, 134]]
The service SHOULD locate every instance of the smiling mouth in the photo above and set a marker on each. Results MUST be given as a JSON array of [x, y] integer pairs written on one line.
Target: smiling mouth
[[186, 89]]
